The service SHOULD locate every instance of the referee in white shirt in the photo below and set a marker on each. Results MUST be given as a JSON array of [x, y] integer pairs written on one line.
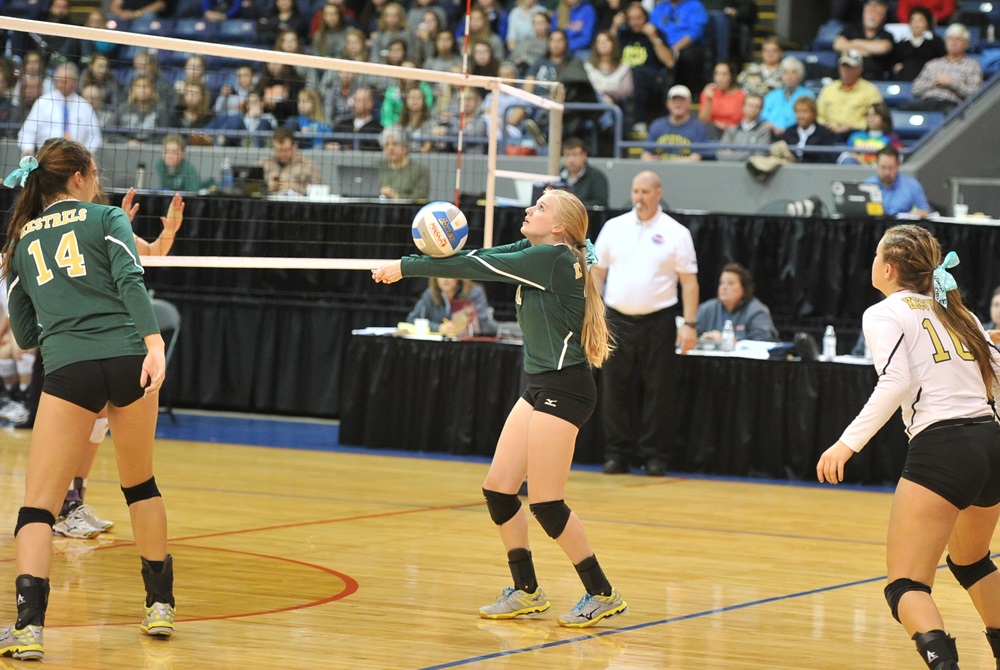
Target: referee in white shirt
[[643, 256], [61, 113]]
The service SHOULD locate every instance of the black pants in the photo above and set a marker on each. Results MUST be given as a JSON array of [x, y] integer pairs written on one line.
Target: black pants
[[639, 386]]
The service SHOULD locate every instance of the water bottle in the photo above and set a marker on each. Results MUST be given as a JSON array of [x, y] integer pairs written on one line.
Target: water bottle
[[829, 344], [728, 336], [140, 176], [226, 175]]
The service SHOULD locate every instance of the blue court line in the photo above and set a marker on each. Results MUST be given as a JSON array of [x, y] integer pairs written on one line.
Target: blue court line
[[650, 624]]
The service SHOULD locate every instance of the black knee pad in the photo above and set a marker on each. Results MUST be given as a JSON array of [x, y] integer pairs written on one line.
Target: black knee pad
[[502, 506], [27, 515], [552, 516], [895, 591], [968, 575], [143, 491]]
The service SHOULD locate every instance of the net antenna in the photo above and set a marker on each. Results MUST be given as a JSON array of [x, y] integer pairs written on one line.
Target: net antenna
[[237, 53]]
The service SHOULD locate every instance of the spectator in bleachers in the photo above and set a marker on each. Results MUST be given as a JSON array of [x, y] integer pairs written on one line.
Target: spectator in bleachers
[[910, 54], [54, 46], [281, 16], [480, 30], [394, 100], [678, 130], [328, 40], [807, 132], [288, 42], [195, 112], [578, 20], [369, 14], [843, 104], [392, 27], [311, 122], [482, 60], [174, 172], [427, 30], [763, 77], [33, 64], [901, 193], [530, 50], [91, 48], [646, 50], [8, 110], [547, 69], [518, 124], [865, 144], [583, 180], [568, 70], [399, 177], [232, 96], [337, 89], [496, 15], [941, 9], [279, 86], [742, 15], [417, 119], [520, 22], [214, 10], [104, 112], [286, 170], [361, 121], [253, 119], [870, 39], [610, 77], [31, 89], [749, 131], [144, 64], [141, 113], [475, 131], [444, 59], [194, 73], [98, 73], [60, 113], [419, 8], [684, 23], [133, 9], [721, 103], [945, 82]]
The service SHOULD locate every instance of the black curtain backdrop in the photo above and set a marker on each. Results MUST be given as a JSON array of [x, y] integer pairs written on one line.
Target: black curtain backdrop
[[276, 341]]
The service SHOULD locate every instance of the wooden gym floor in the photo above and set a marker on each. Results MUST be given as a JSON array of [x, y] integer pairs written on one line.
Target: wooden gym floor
[[307, 555]]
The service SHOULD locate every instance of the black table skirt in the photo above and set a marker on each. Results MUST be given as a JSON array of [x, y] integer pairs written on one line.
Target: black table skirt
[[735, 417]]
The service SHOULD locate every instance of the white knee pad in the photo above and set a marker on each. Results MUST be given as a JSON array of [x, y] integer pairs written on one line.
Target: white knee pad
[[7, 368], [25, 364], [100, 430]]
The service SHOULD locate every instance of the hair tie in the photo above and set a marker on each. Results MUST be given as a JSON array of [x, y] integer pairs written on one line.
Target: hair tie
[[591, 254], [943, 281], [27, 164]]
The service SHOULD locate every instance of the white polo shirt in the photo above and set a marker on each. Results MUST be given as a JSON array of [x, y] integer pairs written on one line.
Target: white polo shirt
[[643, 261], [921, 369]]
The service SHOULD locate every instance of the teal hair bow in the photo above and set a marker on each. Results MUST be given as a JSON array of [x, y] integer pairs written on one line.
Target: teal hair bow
[[28, 163], [943, 281], [590, 255]]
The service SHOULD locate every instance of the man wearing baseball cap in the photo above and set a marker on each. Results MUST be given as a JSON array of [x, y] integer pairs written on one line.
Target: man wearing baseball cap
[[675, 133], [842, 105]]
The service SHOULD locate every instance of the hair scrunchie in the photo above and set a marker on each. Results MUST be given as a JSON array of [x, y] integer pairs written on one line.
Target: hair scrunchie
[[943, 280], [27, 164]]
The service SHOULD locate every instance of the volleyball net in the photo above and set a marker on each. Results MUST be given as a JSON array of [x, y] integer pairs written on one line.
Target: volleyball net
[[263, 134]]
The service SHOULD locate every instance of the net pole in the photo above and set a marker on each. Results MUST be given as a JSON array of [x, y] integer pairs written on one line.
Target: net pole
[[556, 129], [461, 104]]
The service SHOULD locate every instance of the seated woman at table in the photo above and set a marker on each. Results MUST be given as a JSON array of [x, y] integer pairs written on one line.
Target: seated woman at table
[[751, 318], [454, 307]]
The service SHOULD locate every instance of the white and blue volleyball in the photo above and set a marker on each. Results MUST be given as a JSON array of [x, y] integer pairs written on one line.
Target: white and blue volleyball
[[440, 229]]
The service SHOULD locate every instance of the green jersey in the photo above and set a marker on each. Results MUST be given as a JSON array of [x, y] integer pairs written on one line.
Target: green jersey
[[75, 286], [550, 300]]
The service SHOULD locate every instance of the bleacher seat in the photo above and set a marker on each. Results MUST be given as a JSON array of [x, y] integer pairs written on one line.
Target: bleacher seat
[[818, 64], [914, 125], [978, 13], [195, 29], [826, 34], [895, 93], [154, 26], [25, 9], [238, 31]]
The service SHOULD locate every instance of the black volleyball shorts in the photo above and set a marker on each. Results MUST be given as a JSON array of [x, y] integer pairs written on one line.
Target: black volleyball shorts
[[569, 394], [959, 460], [93, 384]]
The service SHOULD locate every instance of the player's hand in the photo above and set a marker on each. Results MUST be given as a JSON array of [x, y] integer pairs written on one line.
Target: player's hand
[[390, 273], [175, 214], [127, 203], [831, 464], [154, 365]]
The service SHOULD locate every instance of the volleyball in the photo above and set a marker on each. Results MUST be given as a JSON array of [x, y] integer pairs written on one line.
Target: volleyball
[[440, 229]]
